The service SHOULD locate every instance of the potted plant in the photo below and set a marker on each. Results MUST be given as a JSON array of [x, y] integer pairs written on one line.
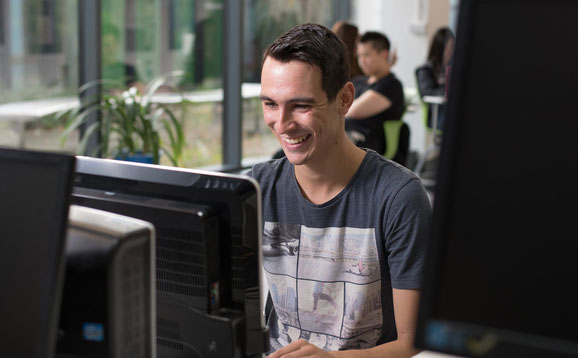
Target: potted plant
[[131, 124]]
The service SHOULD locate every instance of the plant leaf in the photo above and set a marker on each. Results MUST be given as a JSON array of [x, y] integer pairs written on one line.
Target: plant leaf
[[156, 83], [87, 135]]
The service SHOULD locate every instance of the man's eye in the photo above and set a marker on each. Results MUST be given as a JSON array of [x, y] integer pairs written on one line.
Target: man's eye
[[302, 106], [269, 104]]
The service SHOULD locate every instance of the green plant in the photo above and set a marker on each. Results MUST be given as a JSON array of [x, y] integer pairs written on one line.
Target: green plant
[[130, 123]]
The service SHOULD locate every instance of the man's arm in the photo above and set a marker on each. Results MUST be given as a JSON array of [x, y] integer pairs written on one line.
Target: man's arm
[[405, 306], [368, 104]]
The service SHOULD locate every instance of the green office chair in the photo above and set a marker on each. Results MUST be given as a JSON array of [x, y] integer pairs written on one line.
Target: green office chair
[[392, 129], [426, 120], [397, 134], [432, 151], [397, 140]]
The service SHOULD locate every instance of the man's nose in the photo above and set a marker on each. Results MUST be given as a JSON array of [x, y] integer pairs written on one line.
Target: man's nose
[[285, 120]]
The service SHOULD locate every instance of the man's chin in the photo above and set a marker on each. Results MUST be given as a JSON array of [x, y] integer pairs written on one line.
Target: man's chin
[[296, 158]]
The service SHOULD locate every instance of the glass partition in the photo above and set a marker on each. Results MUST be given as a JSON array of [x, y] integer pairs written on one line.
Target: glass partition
[[144, 39]]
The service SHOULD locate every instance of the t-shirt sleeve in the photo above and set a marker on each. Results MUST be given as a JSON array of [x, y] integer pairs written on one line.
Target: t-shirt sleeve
[[390, 88], [408, 223]]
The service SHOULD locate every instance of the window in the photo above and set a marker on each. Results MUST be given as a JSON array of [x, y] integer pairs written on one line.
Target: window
[[140, 40], [158, 37], [38, 61]]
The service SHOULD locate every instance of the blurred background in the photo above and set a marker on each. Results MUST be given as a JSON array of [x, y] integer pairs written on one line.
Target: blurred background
[[49, 48]]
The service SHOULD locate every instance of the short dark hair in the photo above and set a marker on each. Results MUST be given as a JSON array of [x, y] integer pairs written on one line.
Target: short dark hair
[[318, 46], [378, 40]]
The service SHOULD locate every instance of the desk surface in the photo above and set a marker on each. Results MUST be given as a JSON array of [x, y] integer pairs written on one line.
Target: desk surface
[[434, 99], [430, 354], [27, 111], [248, 90]]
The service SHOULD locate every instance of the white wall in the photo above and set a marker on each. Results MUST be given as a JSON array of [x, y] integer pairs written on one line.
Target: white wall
[[405, 22]]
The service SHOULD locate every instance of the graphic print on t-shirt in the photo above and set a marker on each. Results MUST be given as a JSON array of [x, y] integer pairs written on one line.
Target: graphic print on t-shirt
[[325, 284]]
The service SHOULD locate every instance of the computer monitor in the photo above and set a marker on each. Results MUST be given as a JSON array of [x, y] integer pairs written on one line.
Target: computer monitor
[[500, 273], [34, 199], [208, 257], [108, 300]]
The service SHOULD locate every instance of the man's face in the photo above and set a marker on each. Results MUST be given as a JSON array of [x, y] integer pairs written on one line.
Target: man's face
[[297, 111], [370, 60]]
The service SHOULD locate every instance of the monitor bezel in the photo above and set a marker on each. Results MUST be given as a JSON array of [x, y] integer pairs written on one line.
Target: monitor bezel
[[65, 164]]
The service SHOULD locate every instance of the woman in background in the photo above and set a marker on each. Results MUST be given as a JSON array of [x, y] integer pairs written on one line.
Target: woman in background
[[349, 34], [431, 77]]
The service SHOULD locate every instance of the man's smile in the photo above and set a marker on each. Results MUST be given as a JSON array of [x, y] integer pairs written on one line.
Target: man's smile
[[296, 140]]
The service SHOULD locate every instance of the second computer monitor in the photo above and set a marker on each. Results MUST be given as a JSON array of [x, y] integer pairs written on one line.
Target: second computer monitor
[[208, 228]]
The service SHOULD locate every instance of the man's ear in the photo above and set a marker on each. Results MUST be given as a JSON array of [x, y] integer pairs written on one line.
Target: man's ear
[[385, 55], [346, 97]]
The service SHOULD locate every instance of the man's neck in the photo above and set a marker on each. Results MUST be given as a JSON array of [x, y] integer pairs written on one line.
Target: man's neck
[[322, 181]]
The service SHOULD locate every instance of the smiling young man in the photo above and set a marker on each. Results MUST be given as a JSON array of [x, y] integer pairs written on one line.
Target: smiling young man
[[344, 229]]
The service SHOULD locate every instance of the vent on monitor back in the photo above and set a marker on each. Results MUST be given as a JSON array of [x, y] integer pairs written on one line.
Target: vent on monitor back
[[187, 262], [238, 265], [187, 235], [168, 334], [181, 264], [134, 304]]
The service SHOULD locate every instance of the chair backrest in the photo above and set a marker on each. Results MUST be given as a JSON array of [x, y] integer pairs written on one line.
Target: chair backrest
[[426, 109], [392, 130]]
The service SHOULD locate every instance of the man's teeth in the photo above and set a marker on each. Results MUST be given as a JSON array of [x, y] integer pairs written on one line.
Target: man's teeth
[[296, 140]]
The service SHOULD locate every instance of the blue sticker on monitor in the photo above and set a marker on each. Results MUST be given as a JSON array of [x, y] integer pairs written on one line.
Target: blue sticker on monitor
[[437, 335], [93, 332], [444, 336]]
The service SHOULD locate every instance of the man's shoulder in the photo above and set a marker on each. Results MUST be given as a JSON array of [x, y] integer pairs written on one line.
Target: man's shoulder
[[386, 173], [389, 182], [265, 170], [390, 79], [389, 85], [376, 160]]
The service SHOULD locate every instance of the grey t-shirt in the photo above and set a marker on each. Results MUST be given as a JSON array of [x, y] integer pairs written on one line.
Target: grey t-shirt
[[331, 267]]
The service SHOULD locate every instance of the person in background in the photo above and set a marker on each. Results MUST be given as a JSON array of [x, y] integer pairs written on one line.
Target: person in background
[[378, 94], [358, 222], [349, 34], [432, 76]]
